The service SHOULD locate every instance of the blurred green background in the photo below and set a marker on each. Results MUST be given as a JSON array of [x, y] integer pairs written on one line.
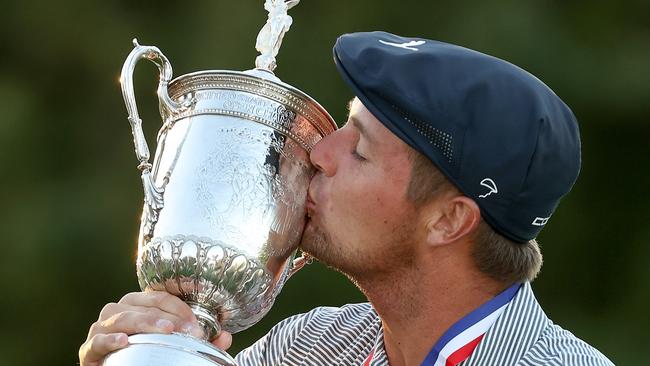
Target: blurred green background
[[70, 194]]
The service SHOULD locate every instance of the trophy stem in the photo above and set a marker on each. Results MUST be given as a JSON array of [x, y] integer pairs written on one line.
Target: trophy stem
[[208, 323]]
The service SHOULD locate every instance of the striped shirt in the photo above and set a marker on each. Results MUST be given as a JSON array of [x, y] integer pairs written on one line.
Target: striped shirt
[[522, 336]]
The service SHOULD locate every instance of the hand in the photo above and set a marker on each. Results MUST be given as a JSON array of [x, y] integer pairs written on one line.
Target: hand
[[140, 312]]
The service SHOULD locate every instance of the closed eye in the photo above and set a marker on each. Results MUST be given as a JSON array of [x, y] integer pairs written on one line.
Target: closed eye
[[358, 156]]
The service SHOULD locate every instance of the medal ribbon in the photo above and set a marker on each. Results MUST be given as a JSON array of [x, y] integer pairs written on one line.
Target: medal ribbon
[[367, 361], [460, 340]]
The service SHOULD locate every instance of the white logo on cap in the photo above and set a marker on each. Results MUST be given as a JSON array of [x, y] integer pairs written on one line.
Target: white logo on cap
[[540, 221], [406, 46], [489, 184]]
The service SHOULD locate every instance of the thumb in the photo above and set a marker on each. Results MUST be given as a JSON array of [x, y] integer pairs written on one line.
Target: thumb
[[223, 341]]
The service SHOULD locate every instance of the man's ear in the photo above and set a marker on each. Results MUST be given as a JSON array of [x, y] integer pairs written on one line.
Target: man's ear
[[454, 219]]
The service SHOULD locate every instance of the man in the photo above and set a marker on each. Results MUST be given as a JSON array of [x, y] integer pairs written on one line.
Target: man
[[429, 199]]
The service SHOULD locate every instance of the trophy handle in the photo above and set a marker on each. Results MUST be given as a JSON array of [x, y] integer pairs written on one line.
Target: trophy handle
[[300, 262], [153, 196], [167, 105]]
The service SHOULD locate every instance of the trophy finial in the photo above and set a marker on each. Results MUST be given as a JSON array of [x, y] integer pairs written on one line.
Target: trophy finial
[[270, 37]]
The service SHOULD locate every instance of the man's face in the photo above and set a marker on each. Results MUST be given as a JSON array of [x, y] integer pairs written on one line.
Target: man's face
[[361, 222]]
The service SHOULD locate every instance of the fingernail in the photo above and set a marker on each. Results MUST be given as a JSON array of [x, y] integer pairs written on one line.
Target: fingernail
[[164, 324], [120, 339]]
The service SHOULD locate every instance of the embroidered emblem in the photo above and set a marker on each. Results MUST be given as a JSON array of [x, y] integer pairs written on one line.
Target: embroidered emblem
[[407, 46], [489, 184], [540, 221]]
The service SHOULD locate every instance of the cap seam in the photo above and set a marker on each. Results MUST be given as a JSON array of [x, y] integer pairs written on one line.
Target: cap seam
[[517, 197]]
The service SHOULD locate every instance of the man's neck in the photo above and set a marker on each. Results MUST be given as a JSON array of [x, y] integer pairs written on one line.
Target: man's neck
[[417, 305]]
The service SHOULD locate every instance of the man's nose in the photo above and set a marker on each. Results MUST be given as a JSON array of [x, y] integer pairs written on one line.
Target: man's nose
[[321, 155]]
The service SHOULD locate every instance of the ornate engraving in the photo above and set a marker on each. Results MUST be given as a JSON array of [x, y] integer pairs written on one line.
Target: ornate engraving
[[253, 187], [218, 277], [293, 99], [260, 108]]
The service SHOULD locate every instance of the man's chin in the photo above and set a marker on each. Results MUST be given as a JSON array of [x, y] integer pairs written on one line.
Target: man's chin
[[318, 244], [314, 241]]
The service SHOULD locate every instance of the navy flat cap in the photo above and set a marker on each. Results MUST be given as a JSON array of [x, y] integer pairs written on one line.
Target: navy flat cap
[[503, 137]]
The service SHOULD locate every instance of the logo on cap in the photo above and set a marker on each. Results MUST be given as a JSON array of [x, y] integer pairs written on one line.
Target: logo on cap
[[406, 45], [489, 184], [540, 221]]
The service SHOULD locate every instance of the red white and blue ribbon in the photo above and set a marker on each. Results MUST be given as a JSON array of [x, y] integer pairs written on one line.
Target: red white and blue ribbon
[[460, 340]]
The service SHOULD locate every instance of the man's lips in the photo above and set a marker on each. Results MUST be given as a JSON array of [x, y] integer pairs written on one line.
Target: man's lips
[[310, 206]]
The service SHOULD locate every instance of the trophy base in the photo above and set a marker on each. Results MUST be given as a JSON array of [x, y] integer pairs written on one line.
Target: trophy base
[[168, 350]]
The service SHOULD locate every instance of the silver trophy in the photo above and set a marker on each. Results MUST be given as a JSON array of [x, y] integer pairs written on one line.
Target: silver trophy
[[224, 195]]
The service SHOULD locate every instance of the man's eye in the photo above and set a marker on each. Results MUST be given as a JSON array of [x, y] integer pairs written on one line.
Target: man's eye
[[357, 155]]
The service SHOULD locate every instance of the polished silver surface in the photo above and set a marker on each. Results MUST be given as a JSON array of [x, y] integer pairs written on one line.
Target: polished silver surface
[[232, 173], [224, 194], [168, 350]]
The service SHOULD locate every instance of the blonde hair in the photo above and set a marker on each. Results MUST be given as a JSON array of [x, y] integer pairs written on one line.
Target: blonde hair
[[496, 256]]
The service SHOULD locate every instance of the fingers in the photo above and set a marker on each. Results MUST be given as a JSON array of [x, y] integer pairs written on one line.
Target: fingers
[[143, 312], [223, 341], [111, 310], [137, 312], [135, 321], [146, 312], [93, 351], [160, 300]]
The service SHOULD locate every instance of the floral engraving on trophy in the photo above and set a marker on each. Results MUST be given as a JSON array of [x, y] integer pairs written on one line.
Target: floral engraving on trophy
[[285, 117], [260, 108], [257, 188]]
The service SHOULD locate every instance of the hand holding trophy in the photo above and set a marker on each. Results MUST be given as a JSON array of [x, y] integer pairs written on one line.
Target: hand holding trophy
[[224, 195]]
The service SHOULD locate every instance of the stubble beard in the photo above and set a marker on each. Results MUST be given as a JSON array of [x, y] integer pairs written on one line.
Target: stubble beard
[[361, 265], [315, 242]]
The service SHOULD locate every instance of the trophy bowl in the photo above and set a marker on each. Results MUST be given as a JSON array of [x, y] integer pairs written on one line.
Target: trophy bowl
[[234, 168], [224, 197]]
